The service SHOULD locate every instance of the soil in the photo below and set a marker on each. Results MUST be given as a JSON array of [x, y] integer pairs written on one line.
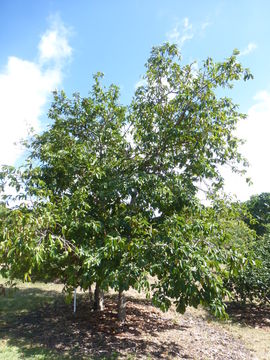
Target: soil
[[251, 315], [147, 333]]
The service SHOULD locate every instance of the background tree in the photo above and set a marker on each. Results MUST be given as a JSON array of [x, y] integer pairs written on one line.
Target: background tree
[[253, 283], [110, 192], [259, 207]]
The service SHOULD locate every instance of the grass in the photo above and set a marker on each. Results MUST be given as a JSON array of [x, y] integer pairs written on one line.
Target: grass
[[31, 302], [256, 339], [9, 352], [27, 298], [251, 323]]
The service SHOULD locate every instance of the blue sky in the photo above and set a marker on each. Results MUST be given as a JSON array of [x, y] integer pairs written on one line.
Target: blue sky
[[60, 44]]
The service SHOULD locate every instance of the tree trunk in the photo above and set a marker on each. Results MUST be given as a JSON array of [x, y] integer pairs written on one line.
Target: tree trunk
[[99, 299], [91, 299], [121, 306]]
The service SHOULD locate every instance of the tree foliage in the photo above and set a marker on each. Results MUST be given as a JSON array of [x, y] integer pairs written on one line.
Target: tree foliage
[[258, 207], [108, 194], [253, 283]]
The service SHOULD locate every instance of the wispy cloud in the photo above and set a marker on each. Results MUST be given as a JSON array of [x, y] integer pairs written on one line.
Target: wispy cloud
[[187, 25], [184, 30], [205, 25], [25, 87], [250, 48], [181, 32]]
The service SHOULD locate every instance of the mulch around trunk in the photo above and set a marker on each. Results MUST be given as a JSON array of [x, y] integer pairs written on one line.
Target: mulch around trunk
[[147, 333]]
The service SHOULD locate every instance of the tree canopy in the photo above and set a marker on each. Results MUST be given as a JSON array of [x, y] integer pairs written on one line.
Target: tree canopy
[[253, 283], [108, 193], [259, 208]]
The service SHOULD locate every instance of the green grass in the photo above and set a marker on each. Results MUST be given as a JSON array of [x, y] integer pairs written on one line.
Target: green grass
[[26, 298], [32, 300], [14, 352]]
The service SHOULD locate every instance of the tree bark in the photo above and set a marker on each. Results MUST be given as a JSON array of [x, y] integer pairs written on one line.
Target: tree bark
[[121, 306], [91, 299], [98, 299]]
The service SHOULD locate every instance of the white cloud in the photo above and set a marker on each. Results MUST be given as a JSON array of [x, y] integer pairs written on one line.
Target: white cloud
[[255, 129], [181, 32], [250, 48], [25, 87], [54, 43]]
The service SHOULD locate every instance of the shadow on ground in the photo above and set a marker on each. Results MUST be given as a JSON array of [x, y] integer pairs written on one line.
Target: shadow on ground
[[250, 314], [53, 328]]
